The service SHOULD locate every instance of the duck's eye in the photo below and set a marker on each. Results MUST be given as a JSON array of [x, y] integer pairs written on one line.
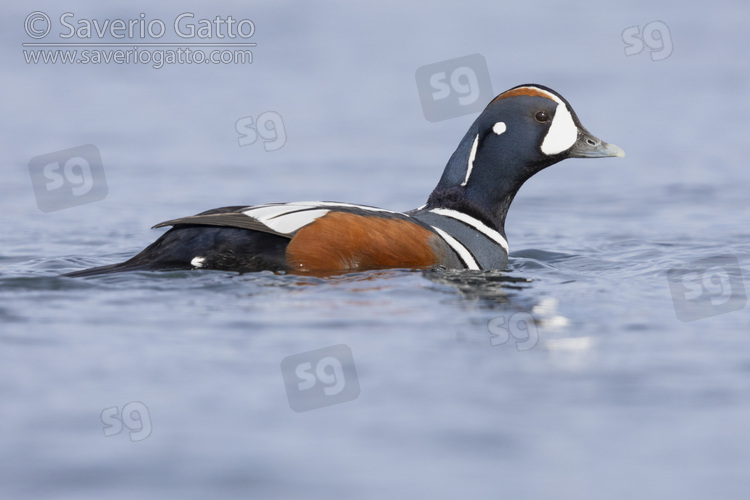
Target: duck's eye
[[542, 116]]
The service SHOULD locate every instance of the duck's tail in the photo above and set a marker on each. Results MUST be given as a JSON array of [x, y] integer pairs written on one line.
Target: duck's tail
[[207, 247], [112, 268]]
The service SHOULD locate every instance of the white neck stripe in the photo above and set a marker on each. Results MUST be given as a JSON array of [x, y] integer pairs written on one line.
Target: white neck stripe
[[474, 223], [472, 155], [461, 250]]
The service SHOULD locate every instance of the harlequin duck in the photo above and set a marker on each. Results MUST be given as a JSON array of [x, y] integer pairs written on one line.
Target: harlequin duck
[[462, 226]]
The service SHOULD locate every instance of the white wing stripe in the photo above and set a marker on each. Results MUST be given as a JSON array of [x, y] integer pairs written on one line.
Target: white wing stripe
[[297, 205], [289, 223], [265, 212], [289, 217], [345, 205]]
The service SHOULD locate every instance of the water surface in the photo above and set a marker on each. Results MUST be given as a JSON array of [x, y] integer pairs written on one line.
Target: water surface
[[617, 398]]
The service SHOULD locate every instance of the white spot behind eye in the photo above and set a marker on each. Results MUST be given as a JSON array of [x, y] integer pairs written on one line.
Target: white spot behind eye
[[499, 128], [562, 134], [197, 262]]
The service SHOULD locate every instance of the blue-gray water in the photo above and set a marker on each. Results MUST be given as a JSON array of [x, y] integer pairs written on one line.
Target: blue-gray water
[[616, 397]]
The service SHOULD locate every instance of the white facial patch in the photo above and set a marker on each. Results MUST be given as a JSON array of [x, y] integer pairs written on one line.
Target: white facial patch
[[197, 262], [562, 134], [499, 128], [472, 155]]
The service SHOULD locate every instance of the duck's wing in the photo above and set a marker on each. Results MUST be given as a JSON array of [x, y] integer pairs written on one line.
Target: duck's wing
[[280, 219], [230, 219]]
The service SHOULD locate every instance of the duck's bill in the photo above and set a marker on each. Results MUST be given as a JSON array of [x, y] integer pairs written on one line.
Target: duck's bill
[[588, 146]]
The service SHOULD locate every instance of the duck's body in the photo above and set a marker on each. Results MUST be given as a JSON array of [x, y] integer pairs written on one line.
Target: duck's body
[[462, 226]]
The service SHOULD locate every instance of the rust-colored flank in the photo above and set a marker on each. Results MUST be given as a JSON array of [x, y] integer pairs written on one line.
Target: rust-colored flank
[[341, 241]]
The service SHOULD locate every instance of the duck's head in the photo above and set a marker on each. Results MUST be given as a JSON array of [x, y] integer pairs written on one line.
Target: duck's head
[[520, 132]]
